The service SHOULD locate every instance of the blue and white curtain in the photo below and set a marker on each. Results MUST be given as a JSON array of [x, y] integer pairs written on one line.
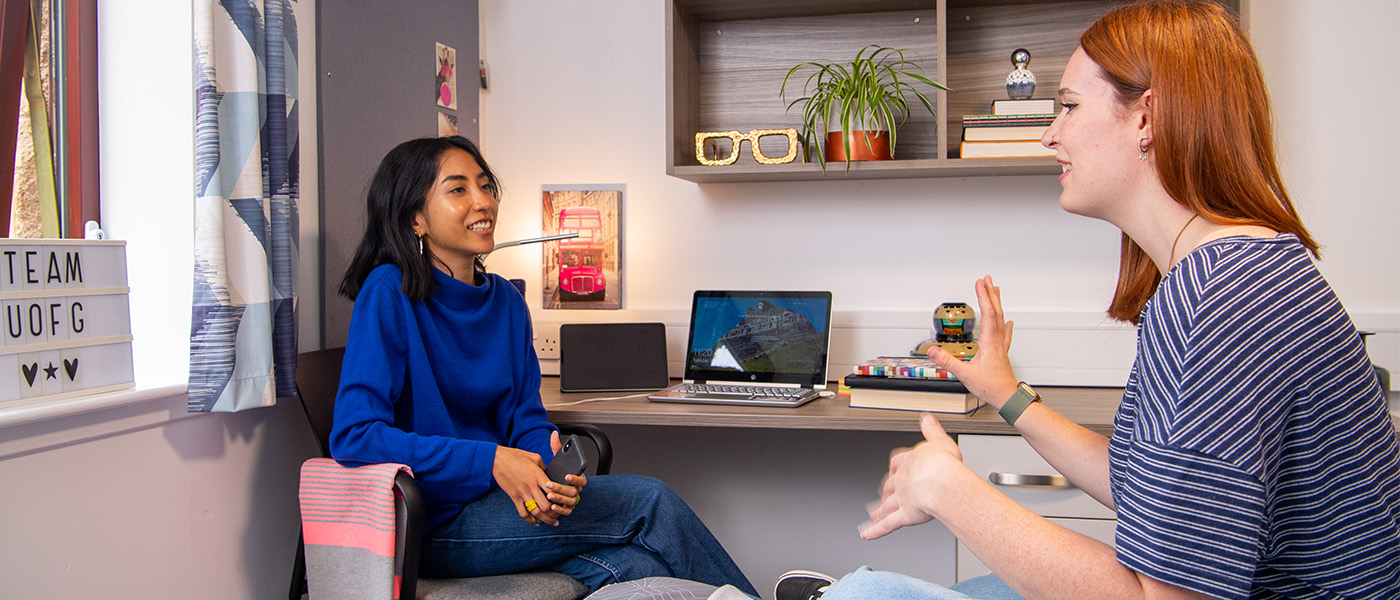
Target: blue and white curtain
[[243, 338]]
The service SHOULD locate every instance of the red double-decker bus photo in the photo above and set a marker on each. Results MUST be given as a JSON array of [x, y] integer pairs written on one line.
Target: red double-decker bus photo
[[580, 259]]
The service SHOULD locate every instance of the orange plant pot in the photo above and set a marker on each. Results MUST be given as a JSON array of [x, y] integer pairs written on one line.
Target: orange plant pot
[[877, 148]]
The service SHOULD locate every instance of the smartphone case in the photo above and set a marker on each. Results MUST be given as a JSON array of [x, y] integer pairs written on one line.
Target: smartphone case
[[568, 461]]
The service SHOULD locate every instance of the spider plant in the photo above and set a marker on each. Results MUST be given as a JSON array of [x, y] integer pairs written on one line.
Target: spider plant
[[870, 92]]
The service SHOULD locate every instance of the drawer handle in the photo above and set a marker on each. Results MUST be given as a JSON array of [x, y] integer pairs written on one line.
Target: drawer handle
[[1018, 479]]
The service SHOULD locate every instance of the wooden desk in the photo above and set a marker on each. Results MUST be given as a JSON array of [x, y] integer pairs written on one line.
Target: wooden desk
[[1090, 407]]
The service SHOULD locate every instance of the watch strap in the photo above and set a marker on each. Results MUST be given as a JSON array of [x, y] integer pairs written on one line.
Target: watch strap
[[1017, 403]]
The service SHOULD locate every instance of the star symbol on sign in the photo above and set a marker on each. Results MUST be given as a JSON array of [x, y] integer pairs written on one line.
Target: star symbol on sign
[[51, 372]]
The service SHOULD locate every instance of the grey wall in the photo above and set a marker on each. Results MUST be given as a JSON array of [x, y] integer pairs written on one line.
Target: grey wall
[[375, 90]]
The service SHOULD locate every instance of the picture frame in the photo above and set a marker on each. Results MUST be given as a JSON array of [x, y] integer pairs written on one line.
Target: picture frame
[[584, 272]]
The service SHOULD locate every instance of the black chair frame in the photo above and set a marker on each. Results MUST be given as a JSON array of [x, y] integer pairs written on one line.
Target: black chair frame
[[322, 368]]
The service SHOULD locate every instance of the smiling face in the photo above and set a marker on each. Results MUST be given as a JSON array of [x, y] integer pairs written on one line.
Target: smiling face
[[1096, 140], [458, 220]]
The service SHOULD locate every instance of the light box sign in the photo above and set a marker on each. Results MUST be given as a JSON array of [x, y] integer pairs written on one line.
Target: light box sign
[[65, 318]]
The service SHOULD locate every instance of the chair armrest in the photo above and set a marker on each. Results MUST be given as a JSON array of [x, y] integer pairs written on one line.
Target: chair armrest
[[412, 512], [410, 519], [600, 441]]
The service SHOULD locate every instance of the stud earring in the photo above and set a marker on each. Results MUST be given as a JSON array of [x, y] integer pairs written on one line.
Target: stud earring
[[1142, 150]]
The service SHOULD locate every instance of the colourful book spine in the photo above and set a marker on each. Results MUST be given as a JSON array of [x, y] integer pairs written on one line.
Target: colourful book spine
[[904, 372], [1006, 120], [905, 367]]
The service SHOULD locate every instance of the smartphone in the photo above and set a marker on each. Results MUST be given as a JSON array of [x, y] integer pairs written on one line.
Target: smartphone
[[569, 460]]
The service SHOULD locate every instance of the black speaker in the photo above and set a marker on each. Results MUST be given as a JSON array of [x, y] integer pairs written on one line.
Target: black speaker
[[612, 357]]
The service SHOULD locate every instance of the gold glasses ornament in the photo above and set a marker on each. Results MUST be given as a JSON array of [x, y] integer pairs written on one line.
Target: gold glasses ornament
[[738, 139]]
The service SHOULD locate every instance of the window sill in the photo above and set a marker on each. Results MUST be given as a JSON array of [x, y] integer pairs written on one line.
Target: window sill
[[23, 412]]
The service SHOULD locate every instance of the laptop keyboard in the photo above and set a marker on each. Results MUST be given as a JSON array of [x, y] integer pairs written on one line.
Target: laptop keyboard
[[742, 391]]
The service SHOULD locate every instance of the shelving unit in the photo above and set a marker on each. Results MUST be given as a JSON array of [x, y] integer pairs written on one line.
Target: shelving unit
[[726, 60]]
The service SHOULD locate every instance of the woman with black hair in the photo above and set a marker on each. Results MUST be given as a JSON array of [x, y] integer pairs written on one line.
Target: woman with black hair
[[440, 374]]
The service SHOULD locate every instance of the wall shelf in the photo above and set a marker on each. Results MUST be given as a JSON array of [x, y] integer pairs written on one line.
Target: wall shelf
[[891, 169], [726, 60]]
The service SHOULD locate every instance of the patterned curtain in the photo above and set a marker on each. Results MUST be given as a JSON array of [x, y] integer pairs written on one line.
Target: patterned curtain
[[243, 337]]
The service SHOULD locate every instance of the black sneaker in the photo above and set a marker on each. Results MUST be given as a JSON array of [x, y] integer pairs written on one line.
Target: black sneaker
[[802, 585]]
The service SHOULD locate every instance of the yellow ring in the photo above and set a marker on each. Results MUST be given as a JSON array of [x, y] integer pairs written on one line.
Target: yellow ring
[[577, 500], [530, 505]]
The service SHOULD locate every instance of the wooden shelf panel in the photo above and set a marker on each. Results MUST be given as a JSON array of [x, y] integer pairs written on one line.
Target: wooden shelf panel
[[742, 65], [892, 169], [729, 10], [982, 37]]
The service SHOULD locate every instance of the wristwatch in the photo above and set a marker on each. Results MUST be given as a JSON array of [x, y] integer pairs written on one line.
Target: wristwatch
[[1017, 403]]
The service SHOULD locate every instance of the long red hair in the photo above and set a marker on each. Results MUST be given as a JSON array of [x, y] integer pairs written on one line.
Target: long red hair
[[1211, 121]]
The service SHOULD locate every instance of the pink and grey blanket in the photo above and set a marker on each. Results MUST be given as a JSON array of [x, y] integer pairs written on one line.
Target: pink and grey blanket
[[347, 521]]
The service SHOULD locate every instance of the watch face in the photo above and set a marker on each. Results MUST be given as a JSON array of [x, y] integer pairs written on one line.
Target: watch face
[[1029, 391]]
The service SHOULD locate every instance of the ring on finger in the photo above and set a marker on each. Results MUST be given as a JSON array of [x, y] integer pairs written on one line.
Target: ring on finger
[[530, 505]]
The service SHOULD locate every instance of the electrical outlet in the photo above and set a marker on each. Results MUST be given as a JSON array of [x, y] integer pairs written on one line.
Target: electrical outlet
[[547, 341]]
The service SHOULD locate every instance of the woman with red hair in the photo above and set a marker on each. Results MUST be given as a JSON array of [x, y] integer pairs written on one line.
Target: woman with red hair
[[1252, 454]]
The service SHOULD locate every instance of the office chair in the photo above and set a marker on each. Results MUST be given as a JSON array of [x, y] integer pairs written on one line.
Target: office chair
[[318, 377]]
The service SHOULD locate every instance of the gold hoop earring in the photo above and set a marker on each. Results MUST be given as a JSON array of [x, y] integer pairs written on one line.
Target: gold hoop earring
[[1142, 150]]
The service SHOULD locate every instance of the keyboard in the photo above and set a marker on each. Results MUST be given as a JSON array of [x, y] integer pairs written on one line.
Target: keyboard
[[715, 393]]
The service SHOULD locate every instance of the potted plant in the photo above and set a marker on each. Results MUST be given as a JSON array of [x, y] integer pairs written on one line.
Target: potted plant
[[867, 97]]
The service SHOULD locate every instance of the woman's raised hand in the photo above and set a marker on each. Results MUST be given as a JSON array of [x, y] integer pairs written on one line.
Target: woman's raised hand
[[988, 375]]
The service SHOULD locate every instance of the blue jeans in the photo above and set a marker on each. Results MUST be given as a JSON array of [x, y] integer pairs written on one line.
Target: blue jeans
[[630, 527], [865, 584]]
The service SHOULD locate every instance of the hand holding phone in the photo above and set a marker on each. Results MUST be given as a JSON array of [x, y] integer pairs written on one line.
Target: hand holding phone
[[569, 460]]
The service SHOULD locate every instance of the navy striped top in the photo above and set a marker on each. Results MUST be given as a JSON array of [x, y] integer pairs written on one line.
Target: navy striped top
[[1253, 455]]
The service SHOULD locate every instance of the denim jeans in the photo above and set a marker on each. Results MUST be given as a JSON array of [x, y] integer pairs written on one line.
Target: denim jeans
[[625, 527], [865, 584]]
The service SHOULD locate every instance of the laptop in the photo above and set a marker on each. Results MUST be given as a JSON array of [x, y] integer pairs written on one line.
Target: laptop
[[754, 349]]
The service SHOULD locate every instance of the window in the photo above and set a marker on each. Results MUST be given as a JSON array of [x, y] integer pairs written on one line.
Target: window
[[67, 72]]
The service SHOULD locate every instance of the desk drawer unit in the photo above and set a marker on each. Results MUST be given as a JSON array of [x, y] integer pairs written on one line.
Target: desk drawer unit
[[1015, 468]]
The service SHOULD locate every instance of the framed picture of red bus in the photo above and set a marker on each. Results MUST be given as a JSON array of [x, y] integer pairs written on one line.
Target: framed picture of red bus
[[584, 271]]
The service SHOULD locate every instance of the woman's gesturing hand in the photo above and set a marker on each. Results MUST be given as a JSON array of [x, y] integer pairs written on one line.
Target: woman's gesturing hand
[[988, 375], [911, 490]]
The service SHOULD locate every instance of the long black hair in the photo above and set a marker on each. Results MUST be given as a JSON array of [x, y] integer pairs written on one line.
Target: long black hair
[[398, 192]]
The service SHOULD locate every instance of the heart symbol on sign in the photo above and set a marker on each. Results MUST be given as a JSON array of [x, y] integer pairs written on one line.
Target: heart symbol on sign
[[30, 371], [71, 367]]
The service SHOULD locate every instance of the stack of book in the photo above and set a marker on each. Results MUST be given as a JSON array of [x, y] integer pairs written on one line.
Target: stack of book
[[908, 383], [1012, 130]]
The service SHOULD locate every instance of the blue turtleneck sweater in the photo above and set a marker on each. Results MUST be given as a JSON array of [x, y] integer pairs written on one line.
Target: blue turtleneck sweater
[[438, 384]]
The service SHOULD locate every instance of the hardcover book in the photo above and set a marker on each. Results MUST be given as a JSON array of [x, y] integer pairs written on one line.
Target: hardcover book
[[1002, 134], [906, 384], [923, 395], [1014, 149], [1008, 106], [1007, 120]]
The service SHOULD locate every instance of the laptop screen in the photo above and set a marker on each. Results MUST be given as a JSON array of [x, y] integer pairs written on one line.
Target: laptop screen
[[759, 337]]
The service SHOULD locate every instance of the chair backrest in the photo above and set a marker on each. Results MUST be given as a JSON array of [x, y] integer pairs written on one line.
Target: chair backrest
[[318, 378]]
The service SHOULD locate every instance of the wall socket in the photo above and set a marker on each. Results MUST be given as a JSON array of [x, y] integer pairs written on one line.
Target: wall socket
[[547, 341]]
